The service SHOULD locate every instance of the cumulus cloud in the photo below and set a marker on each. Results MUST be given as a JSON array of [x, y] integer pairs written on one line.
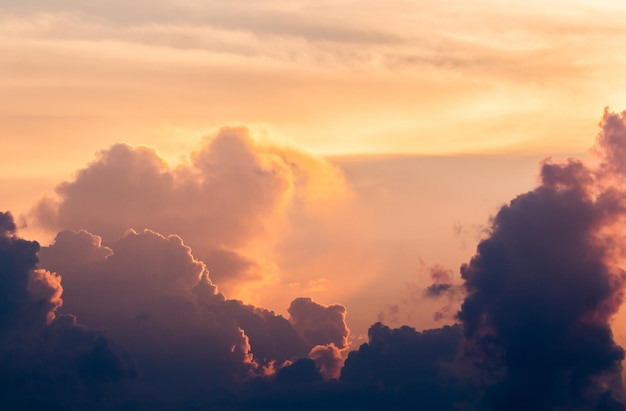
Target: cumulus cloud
[[542, 289], [302, 371], [47, 359], [318, 324], [29, 296], [141, 290], [231, 186], [7, 225], [534, 329], [230, 202], [540, 293], [152, 295], [414, 366], [328, 360]]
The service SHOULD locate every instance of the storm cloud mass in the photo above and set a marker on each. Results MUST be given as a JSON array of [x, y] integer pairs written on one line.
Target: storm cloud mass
[[49, 359], [150, 293], [543, 287], [121, 310]]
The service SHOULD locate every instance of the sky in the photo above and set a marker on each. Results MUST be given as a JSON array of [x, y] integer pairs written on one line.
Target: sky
[[237, 205]]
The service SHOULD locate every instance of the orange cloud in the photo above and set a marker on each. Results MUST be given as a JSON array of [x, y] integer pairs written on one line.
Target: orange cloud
[[232, 203]]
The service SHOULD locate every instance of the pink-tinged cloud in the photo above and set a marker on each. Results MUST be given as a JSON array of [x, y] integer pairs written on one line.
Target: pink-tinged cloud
[[534, 328], [142, 292], [152, 295], [318, 324], [328, 360], [444, 287], [231, 202]]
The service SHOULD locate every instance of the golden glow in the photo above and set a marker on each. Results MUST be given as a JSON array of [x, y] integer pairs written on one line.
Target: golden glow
[[327, 77], [333, 78]]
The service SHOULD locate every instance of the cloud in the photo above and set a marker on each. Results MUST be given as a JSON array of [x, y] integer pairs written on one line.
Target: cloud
[[534, 326], [318, 324], [153, 296], [47, 359], [540, 293], [542, 289], [272, 337], [230, 203], [303, 371], [7, 225], [442, 282], [141, 290], [30, 296], [413, 366], [443, 286]]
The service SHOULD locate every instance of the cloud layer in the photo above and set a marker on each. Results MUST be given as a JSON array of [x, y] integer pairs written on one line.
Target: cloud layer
[[533, 332]]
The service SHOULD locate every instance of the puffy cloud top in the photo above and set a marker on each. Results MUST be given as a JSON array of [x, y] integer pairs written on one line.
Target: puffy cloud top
[[318, 324]]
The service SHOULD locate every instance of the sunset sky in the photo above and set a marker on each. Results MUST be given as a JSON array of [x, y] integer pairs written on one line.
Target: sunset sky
[[333, 162], [337, 77]]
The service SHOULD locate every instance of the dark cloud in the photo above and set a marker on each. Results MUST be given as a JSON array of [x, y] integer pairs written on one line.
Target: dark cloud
[[543, 287], [437, 290], [231, 186], [318, 324], [230, 199], [408, 368], [539, 296], [534, 328], [47, 360], [7, 225], [273, 339], [303, 371], [610, 143], [398, 369], [444, 287], [152, 295]]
